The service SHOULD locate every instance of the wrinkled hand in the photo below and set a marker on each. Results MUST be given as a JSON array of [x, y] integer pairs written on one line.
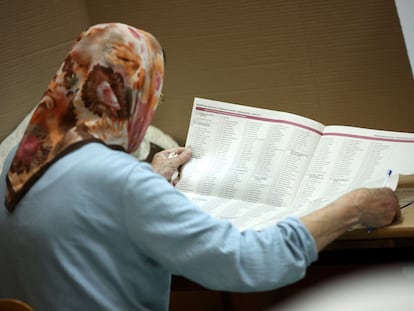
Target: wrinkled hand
[[168, 163], [377, 207], [371, 208]]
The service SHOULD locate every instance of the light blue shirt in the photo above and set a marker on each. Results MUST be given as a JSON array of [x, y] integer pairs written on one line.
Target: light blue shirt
[[101, 231]]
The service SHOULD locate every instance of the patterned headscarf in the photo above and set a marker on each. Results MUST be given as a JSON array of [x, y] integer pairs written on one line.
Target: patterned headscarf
[[106, 90]]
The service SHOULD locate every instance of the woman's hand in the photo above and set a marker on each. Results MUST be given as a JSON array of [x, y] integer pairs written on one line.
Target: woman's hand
[[168, 163], [371, 208]]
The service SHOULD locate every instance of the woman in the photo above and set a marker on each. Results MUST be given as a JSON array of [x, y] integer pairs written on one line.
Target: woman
[[87, 227]]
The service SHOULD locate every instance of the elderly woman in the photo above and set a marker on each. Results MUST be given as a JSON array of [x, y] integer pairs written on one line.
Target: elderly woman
[[85, 226]]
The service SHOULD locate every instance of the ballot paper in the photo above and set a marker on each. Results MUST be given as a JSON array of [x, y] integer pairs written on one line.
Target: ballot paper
[[255, 166]]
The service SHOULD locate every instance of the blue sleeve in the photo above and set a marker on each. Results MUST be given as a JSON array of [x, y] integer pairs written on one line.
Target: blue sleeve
[[174, 232]]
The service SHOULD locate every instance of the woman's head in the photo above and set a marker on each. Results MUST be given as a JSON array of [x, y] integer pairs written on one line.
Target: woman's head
[[111, 82], [106, 90]]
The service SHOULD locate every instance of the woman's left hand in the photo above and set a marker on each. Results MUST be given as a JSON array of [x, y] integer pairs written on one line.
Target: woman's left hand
[[168, 162]]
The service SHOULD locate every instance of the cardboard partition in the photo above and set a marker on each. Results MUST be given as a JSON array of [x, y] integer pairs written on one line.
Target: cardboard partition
[[339, 62]]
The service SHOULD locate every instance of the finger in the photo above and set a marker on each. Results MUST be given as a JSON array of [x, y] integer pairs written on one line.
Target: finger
[[173, 152], [179, 157], [182, 157], [179, 150], [175, 181]]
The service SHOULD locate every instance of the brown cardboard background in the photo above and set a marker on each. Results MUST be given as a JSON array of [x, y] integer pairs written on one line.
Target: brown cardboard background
[[34, 38], [339, 62], [336, 61]]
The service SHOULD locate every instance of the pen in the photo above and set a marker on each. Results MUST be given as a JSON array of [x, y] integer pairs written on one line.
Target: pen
[[387, 178], [385, 184]]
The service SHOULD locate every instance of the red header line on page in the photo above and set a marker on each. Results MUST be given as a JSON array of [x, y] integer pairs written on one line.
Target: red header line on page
[[240, 115], [398, 140]]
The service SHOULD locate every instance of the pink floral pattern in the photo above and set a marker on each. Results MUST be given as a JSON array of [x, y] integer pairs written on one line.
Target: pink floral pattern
[[106, 90]]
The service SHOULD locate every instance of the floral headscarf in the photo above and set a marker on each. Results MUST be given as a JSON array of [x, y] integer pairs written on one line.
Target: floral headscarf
[[105, 91]]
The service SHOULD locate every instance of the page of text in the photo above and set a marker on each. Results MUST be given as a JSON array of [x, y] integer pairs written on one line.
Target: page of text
[[247, 162], [349, 157]]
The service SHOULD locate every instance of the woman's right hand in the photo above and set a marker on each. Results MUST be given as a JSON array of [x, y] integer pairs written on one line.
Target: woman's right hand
[[377, 207], [371, 208]]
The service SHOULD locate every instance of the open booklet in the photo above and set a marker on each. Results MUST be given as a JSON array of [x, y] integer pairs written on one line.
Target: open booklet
[[256, 166]]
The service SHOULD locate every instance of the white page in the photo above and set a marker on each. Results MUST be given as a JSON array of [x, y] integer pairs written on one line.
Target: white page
[[348, 158], [244, 155]]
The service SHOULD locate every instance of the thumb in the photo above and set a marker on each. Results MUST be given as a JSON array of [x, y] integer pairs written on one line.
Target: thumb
[[183, 157]]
